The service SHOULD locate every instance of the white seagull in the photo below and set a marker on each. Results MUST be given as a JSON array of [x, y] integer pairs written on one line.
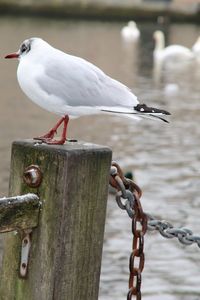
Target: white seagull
[[70, 86]]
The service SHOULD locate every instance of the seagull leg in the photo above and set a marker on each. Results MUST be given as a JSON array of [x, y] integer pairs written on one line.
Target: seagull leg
[[51, 133], [65, 120]]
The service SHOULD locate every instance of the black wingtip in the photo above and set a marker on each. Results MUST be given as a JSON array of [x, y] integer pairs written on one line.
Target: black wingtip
[[167, 113], [160, 118], [143, 108], [164, 120]]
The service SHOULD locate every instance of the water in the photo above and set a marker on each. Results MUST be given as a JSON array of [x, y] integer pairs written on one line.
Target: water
[[164, 157]]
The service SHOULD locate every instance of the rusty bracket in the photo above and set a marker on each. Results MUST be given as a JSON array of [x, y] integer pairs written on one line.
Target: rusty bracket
[[25, 250], [32, 176]]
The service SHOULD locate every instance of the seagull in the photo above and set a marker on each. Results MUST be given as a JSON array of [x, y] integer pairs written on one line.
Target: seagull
[[70, 87]]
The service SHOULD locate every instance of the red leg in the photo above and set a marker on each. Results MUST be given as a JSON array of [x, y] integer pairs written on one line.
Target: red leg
[[64, 134], [51, 133]]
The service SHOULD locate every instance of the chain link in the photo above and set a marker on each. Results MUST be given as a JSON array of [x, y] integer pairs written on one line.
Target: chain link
[[128, 198], [184, 235]]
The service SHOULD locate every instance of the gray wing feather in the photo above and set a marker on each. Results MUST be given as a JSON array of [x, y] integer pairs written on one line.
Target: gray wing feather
[[80, 83]]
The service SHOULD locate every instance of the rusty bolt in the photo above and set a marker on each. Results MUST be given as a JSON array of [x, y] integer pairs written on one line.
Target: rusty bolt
[[32, 176]]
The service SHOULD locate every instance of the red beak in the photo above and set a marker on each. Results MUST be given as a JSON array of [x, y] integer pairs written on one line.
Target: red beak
[[12, 55]]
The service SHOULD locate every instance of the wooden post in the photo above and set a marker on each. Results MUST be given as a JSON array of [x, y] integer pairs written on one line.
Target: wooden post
[[66, 247]]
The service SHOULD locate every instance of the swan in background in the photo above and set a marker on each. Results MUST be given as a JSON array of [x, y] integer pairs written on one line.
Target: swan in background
[[172, 55], [196, 48], [130, 32], [170, 60]]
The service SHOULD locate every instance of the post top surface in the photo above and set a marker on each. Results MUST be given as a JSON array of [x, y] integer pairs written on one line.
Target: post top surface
[[67, 147]]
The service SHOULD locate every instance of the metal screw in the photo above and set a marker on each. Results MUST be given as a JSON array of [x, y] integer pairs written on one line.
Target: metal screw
[[32, 176]]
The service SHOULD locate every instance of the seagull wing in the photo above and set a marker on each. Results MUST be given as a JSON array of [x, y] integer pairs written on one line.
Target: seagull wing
[[80, 83]]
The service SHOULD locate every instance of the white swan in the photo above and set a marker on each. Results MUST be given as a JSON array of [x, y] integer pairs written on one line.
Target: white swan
[[171, 56], [196, 47], [172, 62], [130, 32]]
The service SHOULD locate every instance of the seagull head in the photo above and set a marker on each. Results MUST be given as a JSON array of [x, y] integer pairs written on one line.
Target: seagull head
[[26, 47]]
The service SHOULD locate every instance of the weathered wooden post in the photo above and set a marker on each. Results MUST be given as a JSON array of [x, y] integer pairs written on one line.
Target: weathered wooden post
[[66, 247]]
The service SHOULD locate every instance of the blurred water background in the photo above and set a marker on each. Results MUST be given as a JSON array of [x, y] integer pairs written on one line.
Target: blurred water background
[[165, 158]]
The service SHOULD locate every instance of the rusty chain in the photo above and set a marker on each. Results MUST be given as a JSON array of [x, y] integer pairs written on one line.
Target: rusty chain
[[128, 198], [128, 190]]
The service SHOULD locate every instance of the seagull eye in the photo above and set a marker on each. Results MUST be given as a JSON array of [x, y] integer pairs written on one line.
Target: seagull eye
[[23, 48]]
